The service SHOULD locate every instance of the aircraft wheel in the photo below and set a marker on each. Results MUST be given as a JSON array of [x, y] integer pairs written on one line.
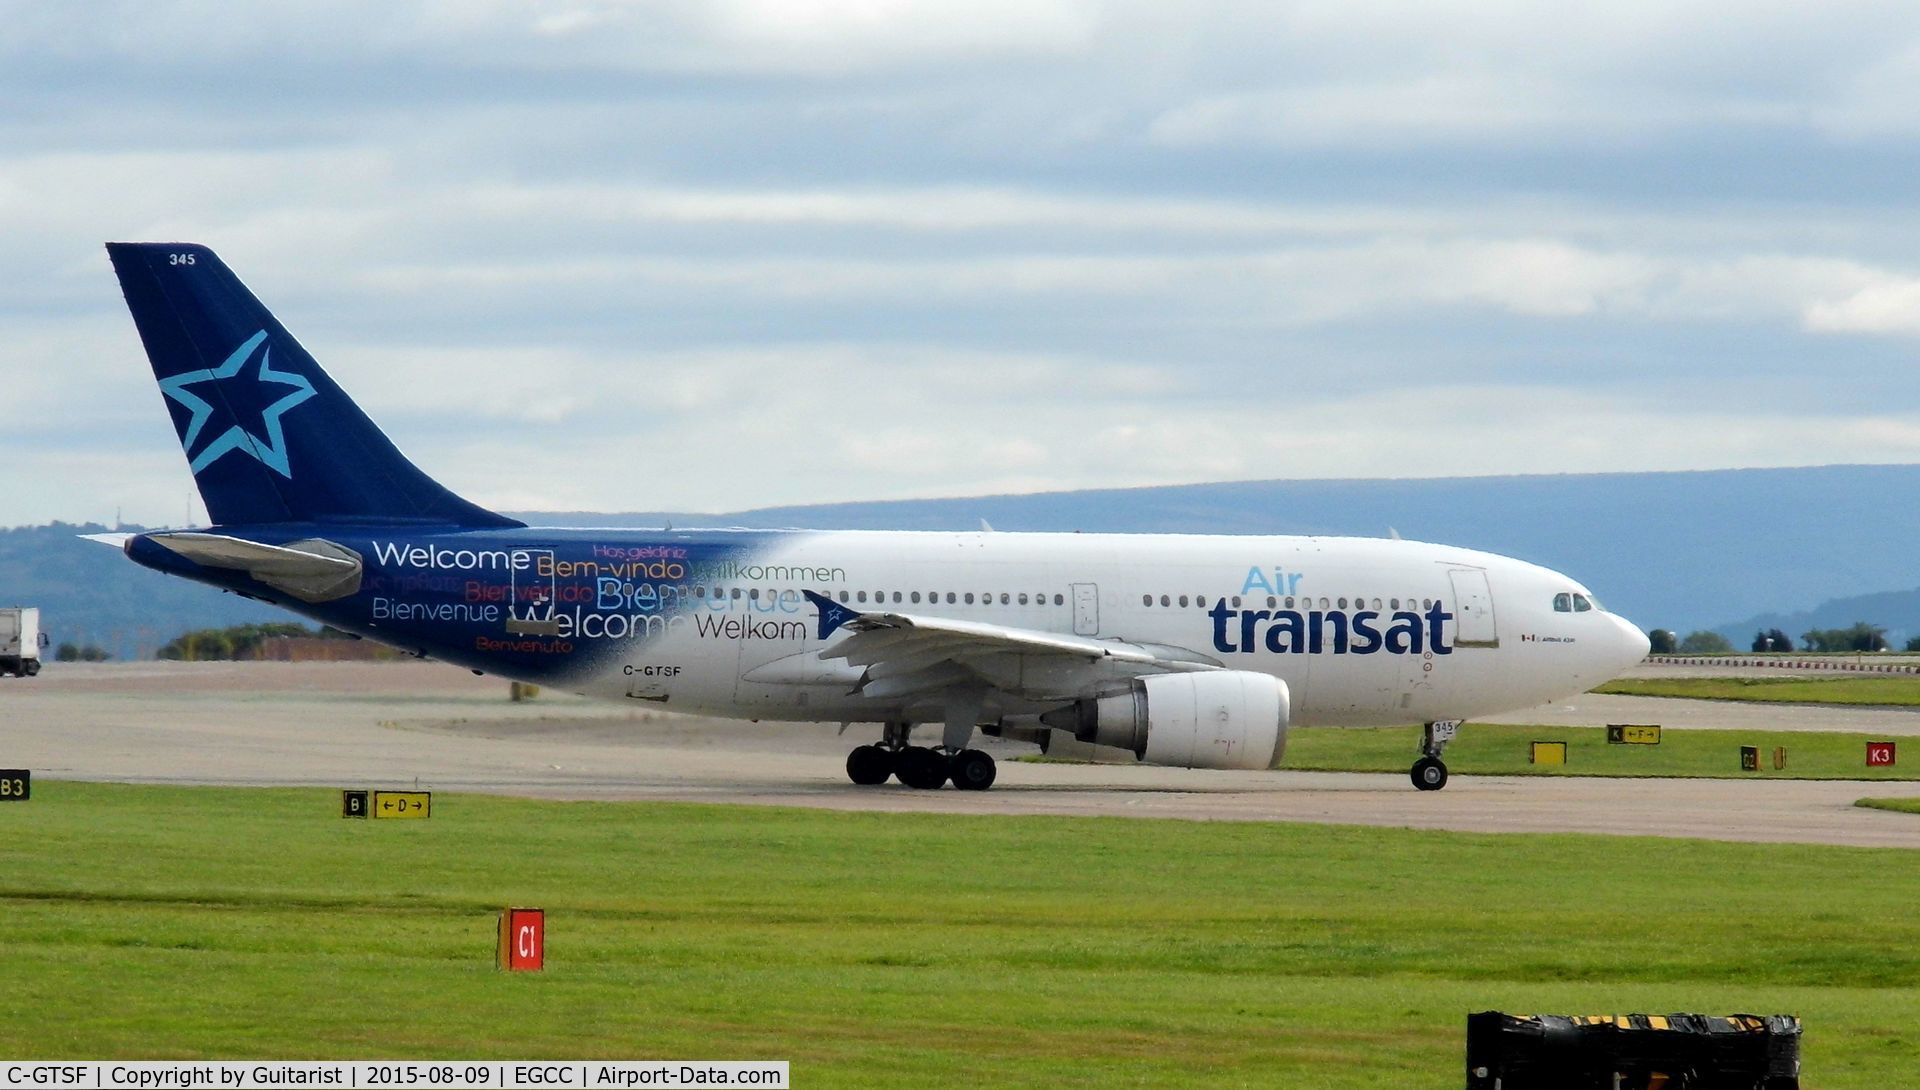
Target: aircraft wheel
[[1429, 774], [971, 770], [869, 765], [33, 669], [918, 766]]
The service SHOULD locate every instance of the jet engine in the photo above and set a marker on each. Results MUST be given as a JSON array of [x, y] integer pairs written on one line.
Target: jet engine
[[1216, 719]]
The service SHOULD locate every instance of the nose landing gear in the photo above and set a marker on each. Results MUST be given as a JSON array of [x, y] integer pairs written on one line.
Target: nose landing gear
[[1430, 772]]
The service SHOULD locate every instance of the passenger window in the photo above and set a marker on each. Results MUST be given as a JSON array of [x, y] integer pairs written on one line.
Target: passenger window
[[950, 598], [1165, 601], [969, 597], [914, 597], [1059, 599], [736, 595], [1343, 603], [1145, 599], [1563, 603], [1272, 601], [1236, 601], [1393, 603], [862, 596], [1580, 603], [1023, 598], [1183, 600]]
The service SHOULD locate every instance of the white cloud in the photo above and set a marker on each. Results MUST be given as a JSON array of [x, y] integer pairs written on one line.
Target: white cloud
[[896, 31], [603, 254], [1889, 305]]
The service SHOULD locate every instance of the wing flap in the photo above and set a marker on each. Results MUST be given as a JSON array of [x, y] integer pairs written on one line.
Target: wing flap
[[878, 634], [913, 655]]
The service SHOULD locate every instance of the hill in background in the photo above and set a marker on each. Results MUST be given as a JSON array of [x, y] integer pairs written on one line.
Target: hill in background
[[91, 594], [1898, 611], [1670, 550]]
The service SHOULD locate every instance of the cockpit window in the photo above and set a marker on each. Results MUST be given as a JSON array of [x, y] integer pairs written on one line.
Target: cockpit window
[[1563, 603], [1580, 603]]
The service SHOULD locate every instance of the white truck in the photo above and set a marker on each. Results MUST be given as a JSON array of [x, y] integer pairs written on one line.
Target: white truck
[[20, 641]]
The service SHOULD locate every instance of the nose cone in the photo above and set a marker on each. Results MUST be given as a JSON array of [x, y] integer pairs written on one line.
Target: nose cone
[[1632, 642]]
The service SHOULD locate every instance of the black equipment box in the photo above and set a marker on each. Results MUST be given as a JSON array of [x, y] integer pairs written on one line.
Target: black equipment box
[[1632, 1052]]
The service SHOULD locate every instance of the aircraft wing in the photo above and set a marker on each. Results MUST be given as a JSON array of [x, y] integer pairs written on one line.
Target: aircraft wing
[[909, 655]]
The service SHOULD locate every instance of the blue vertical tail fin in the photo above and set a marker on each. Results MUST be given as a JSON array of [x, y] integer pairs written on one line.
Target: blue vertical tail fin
[[268, 435]]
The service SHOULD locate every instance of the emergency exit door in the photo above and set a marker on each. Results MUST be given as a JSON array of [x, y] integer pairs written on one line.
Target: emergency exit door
[[1086, 609]]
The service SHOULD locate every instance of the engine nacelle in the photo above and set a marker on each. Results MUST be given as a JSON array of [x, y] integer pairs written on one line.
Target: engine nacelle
[[1217, 719]]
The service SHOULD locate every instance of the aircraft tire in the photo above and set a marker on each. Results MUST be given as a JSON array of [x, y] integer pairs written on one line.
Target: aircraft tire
[[918, 766], [971, 770], [1429, 774], [33, 668], [869, 765]]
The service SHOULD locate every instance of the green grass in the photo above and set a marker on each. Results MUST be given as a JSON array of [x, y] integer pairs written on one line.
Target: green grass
[[1502, 750], [1897, 691], [902, 949], [1905, 806]]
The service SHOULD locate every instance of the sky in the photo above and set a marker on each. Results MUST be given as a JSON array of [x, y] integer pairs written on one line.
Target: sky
[[713, 256]]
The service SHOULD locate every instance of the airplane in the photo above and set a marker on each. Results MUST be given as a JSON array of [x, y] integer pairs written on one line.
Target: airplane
[[1199, 651]]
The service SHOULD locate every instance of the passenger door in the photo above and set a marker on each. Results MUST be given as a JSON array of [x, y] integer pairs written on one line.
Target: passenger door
[[1473, 609]]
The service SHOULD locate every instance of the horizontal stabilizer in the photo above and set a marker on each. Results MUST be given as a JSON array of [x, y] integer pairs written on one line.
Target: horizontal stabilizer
[[311, 570]]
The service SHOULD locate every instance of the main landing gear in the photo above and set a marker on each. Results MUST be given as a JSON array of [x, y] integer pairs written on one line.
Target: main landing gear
[[1430, 772], [919, 766]]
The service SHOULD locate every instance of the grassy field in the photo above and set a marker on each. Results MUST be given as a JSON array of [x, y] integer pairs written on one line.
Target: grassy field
[[1905, 806], [887, 950], [1894, 690], [1502, 750]]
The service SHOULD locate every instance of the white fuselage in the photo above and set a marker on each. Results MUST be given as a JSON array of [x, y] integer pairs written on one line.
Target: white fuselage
[[1487, 639]]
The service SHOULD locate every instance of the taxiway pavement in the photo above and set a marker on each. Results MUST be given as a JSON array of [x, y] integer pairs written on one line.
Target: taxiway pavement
[[402, 724]]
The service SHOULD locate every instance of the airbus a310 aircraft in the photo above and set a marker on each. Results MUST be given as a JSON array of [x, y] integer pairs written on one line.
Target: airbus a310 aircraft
[[1194, 651]]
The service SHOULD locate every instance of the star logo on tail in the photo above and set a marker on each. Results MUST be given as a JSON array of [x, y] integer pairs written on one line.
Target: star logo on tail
[[269, 450]]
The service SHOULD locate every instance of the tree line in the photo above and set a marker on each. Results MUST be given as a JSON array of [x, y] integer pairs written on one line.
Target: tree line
[[1860, 636], [237, 642]]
